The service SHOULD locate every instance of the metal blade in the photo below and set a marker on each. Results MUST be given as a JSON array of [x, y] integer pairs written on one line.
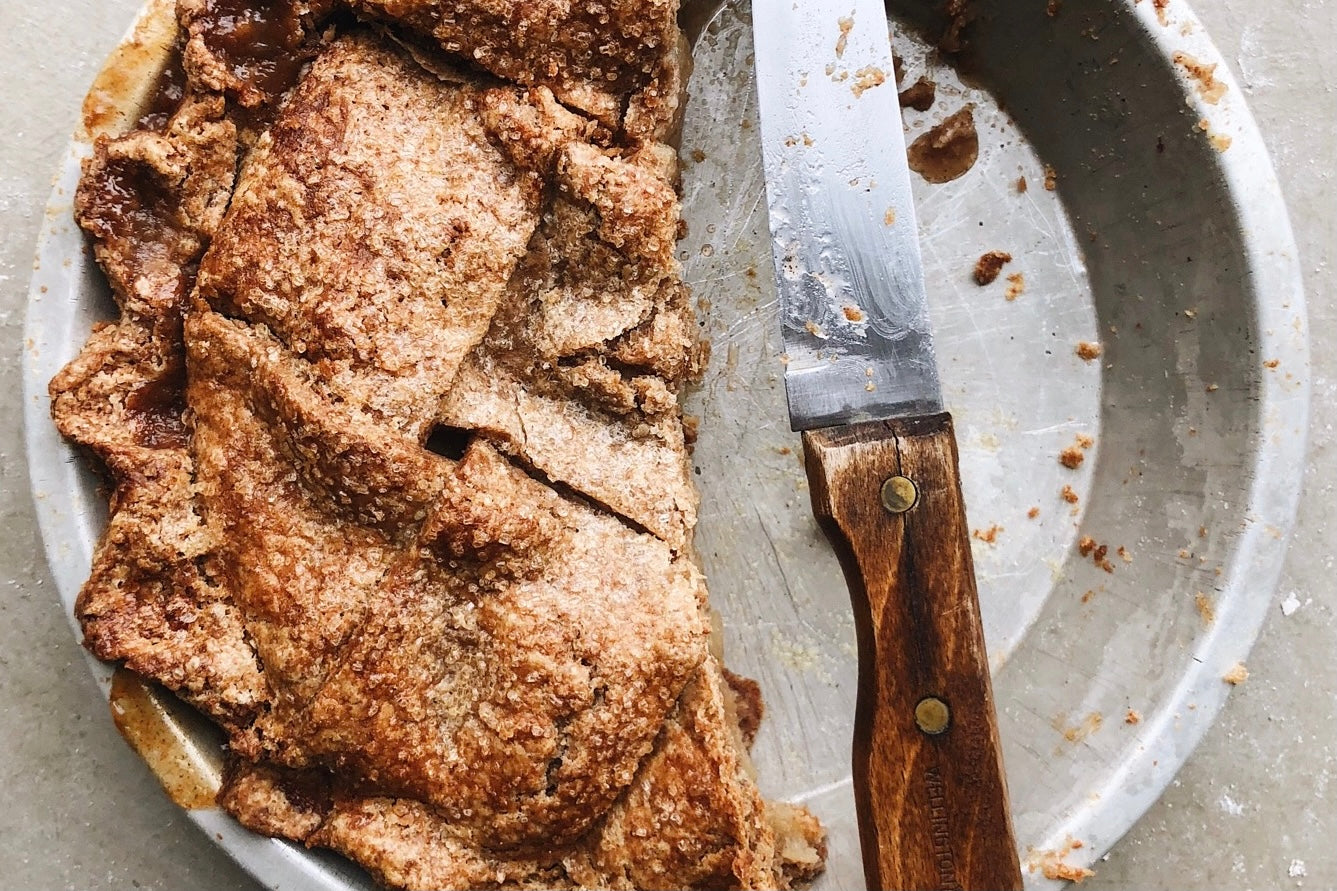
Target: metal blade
[[844, 235]]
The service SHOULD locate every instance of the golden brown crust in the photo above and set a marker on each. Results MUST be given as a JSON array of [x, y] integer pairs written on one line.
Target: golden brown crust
[[491, 670], [617, 61], [373, 230]]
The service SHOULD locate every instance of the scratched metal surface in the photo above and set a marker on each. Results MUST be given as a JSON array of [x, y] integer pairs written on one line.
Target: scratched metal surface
[[1174, 255]]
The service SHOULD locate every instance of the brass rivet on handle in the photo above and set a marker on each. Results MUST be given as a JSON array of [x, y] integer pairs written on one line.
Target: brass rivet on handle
[[899, 494], [932, 715]]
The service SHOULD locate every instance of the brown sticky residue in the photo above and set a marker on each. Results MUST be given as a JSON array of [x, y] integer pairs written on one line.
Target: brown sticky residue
[[889, 218], [1061, 870], [1084, 441], [846, 24], [1088, 351], [1053, 864], [1161, 6], [919, 95], [1080, 731], [698, 156], [1021, 185], [168, 91], [261, 45], [1033, 512], [948, 150], [1124, 554], [1132, 716], [1088, 547], [1206, 611], [1209, 88], [988, 536], [1100, 558], [959, 13], [1016, 286], [853, 313], [125, 87], [989, 265], [1051, 178], [866, 78], [149, 719], [1271, 363], [1069, 495], [1086, 597], [1237, 675], [691, 429], [156, 411]]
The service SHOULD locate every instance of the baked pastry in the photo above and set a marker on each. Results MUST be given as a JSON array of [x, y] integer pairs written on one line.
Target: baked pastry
[[391, 408]]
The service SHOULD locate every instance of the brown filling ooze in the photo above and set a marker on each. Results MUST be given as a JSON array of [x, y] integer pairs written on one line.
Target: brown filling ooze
[[252, 51], [168, 92], [156, 410], [151, 201]]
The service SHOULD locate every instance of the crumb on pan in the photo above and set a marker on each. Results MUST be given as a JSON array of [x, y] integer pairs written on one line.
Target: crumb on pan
[[988, 536], [1088, 351], [989, 265], [919, 95]]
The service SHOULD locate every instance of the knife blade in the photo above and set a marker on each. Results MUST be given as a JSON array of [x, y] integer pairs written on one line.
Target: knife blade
[[879, 448]]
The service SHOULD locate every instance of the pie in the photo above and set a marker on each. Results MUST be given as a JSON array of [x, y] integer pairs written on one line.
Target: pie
[[401, 496]]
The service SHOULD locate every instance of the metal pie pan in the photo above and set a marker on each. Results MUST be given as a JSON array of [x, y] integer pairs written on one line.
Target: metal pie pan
[[1164, 239]]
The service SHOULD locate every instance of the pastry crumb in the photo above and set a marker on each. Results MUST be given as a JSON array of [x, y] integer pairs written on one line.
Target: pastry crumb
[[1016, 286], [1051, 178], [1071, 457], [866, 78], [1054, 866], [1088, 351], [1237, 675], [1021, 185], [1033, 513], [989, 265], [1206, 610], [1132, 716], [846, 24], [1209, 88], [1069, 495], [988, 536]]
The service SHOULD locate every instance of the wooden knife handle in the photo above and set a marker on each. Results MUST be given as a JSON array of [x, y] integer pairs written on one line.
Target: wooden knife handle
[[928, 770]]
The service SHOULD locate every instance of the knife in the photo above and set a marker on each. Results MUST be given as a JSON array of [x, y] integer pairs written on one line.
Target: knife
[[879, 448]]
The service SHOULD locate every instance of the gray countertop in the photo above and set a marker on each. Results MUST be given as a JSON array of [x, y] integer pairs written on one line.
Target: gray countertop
[[1250, 809]]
